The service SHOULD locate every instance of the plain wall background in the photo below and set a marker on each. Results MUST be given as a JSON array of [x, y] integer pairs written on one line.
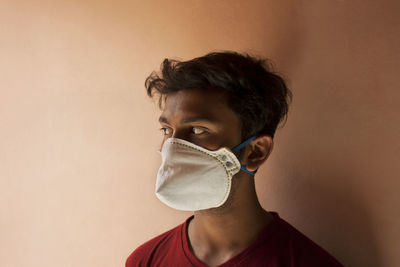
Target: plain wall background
[[78, 136]]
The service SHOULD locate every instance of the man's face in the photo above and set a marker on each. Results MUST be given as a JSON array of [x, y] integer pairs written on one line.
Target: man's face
[[202, 117]]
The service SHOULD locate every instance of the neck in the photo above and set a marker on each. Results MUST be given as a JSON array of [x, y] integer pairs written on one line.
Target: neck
[[228, 230]]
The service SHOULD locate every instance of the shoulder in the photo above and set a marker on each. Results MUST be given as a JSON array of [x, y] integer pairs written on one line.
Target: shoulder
[[301, 249], [146, 253]]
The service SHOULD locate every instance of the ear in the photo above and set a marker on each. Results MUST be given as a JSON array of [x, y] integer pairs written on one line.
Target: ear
[[257, 152]]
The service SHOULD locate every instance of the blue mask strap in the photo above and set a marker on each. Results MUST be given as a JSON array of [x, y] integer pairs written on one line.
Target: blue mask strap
[[240, 146], [243, 168]]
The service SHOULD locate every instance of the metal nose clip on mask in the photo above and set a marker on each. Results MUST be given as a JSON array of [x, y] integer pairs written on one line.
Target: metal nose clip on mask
[[193, 178]]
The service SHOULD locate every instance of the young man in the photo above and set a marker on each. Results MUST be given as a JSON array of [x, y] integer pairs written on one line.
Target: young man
[[219, 116]]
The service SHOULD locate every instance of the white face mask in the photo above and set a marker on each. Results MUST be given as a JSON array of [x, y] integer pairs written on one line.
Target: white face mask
[[193, 178]]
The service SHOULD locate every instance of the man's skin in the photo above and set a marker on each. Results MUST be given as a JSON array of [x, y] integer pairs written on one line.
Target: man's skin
[[204, 118]]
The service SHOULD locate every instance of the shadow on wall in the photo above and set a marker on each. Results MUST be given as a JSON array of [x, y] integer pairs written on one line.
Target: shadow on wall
[[336, 218], [342, 77], [288, 46]]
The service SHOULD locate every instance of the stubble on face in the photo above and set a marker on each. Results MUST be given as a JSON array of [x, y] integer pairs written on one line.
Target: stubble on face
[[232, 201]]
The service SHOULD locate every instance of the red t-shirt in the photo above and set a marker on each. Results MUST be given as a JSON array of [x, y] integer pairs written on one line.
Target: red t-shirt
[[279, 244]]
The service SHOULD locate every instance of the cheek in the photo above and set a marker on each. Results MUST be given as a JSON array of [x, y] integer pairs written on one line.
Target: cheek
[[214, 142]]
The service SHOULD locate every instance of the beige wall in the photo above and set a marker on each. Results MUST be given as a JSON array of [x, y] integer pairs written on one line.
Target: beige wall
[[78, 137]]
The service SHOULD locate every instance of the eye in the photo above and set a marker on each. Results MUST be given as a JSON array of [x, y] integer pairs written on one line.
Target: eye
[[165, 130], [198, 130]]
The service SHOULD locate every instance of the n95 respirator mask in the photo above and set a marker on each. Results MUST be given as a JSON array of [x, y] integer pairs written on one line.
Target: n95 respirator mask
[[193, 178]]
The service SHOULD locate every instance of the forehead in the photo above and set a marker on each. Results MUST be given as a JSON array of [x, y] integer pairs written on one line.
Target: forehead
[[209, 103]]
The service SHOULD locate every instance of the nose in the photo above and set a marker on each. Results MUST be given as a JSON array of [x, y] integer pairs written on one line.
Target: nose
[[180, 134], [175, 134]]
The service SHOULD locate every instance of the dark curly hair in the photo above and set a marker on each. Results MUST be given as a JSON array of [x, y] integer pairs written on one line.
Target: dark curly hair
[[256, 94]]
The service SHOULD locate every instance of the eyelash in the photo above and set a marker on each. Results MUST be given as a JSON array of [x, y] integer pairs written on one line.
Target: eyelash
[[164, 130]]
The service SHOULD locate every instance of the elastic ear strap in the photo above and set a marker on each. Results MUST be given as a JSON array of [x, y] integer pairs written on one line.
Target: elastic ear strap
[[242, 145], [243, 168]]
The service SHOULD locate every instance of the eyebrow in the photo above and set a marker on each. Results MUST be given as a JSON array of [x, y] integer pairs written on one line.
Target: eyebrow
[[163, 119], [187, 120]]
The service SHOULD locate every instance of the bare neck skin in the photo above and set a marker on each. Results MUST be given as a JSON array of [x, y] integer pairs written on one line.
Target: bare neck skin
[[217, 235]]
